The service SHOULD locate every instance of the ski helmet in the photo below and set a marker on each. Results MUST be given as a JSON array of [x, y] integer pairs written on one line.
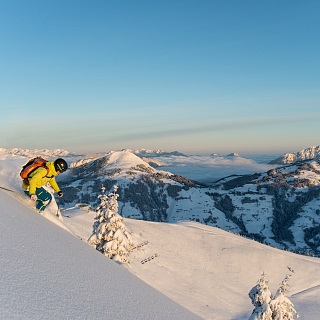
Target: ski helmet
[[60, 165]]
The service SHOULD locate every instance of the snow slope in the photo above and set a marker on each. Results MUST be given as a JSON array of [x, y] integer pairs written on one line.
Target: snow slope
[[210, 271], [48, 273]]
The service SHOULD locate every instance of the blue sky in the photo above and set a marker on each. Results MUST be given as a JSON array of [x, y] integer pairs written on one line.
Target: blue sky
[[197, 76]]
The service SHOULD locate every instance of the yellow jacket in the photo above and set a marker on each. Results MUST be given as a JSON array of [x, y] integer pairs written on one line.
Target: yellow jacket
[[40, 177]]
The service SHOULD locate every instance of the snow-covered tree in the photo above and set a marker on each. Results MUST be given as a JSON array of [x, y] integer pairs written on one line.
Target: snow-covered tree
[[261, 296], [100, 210], [110, 236], [268, 307], [282, 308]]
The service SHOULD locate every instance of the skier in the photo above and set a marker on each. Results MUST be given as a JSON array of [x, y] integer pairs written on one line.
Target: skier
[[39, 177]]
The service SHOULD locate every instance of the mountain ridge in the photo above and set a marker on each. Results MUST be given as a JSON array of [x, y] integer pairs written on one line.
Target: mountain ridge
[[35, 152], [302, 155], [278, 207]]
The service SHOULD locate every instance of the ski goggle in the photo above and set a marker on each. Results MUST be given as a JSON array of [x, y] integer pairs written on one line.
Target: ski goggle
[[60, 168]]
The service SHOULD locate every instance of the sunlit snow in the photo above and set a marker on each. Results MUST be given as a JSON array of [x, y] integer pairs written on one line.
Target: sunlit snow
[[48, 270]]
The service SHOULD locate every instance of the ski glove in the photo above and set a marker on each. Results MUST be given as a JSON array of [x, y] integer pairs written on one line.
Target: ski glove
[[33, 197], [60, 194]]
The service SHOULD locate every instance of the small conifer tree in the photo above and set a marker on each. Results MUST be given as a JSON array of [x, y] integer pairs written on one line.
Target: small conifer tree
[[268, 307], [110, 235], [282, 308], [261, 296]]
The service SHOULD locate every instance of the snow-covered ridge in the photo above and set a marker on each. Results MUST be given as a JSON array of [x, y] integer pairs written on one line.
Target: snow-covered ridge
[[152, 162], [124, 160], [155, 153], [232, 154], [305, 154], [35, 152], [120, 159], [85, 160]]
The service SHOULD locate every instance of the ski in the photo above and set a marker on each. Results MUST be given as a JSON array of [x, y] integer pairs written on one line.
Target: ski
[[23, 199]]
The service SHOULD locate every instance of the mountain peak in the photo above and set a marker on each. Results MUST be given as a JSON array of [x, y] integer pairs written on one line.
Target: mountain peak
[[305, 154], [233, 154], [124, 159]]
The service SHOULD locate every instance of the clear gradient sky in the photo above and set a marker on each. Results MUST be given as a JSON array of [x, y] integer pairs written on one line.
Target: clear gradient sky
[[197, 76]]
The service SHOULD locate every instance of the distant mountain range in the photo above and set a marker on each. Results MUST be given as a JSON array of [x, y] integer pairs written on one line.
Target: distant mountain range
[[35, 152], [287, 158], [233, 154], [51, 153], [155, 153], [280, 207], [305, 154]]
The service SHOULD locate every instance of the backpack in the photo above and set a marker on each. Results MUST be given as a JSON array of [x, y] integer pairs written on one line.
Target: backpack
[[30, 166]]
